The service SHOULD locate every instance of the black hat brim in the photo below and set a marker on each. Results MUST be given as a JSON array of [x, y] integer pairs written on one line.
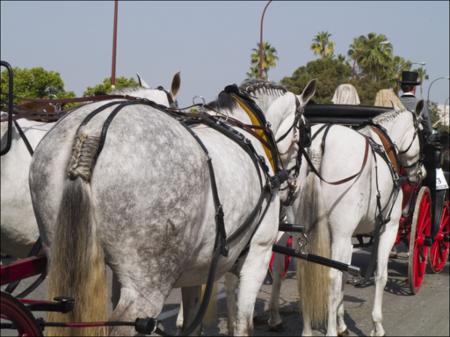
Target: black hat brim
[[409, 83]]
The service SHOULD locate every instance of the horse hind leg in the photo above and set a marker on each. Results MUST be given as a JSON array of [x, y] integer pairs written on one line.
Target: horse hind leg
[[387, 240], [253, 272], [191, 297], [132, 305], [180, 319], [275, 322], [341, 326], [191, 300], [231, 283], [339, 252]]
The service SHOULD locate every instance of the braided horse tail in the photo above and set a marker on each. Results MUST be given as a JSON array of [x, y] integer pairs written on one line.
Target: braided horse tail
[[77, 266]]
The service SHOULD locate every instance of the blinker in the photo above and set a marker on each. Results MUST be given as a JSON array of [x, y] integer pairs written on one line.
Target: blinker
[[305, 135]]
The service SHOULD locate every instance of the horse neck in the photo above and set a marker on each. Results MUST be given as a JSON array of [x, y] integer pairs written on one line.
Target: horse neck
[[397, 125], [279, 110], [264, 101]]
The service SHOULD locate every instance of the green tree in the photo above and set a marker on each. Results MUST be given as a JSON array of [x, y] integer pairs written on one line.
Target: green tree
[[322, 45], [105, 87], [367, 88], [34, 83], [398, 65], [422, 77], [270, 59], [329, 73], [373, 55]]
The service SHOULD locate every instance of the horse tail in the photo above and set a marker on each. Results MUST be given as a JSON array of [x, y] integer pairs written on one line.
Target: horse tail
[[77, 266], [313, 279]]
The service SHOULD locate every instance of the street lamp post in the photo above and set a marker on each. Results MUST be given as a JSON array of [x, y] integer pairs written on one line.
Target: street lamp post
[[261, 51], [114, 48], [429, 88]]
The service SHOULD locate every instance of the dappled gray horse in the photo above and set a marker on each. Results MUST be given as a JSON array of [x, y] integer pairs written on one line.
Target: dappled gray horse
[[269, 97], [145, 205], [19, 230]]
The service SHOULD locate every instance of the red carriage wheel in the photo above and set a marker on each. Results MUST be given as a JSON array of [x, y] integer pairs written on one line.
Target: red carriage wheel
[[420, 229], [439, 250], [15, 313]]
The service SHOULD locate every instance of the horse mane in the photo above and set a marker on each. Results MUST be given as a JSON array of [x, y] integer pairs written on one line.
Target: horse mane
[[387, 116], [223, 101], [253, 86]]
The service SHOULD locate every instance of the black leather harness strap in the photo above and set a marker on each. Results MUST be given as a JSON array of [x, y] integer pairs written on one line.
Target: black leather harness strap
[[24, 138]]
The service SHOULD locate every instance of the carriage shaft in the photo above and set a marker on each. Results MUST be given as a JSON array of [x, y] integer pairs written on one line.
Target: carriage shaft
[[352, 270]]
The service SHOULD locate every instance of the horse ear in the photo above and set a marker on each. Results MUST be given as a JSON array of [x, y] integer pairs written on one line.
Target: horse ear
[[309, 91], [419, 107], [176, 81], [142, 83]]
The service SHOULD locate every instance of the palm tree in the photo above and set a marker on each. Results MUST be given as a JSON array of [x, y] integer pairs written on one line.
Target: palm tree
[[398, 65], [270, 58], [422, 77], [322, 45], [373, 55]]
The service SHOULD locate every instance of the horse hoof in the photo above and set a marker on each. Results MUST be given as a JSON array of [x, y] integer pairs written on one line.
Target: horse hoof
[[344, 333], [277, 328]]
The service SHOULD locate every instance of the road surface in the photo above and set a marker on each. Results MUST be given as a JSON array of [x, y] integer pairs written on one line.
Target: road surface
[[425, 314]]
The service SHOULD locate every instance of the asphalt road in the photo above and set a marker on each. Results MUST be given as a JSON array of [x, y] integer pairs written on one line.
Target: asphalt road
[[424, 314]]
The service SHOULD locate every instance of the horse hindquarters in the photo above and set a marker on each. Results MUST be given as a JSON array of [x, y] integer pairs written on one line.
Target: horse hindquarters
[[313, 279], [77, 267]]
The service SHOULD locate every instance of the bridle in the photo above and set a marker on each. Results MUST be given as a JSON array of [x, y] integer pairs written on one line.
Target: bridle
[[300, 127], [418, 134], [172, 103]]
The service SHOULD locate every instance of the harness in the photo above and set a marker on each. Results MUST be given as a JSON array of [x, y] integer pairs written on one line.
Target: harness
[[303, 129], [389, 153], [83, 163]]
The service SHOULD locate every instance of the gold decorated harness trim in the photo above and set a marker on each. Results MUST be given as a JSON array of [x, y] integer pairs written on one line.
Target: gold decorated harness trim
[[255, 121]]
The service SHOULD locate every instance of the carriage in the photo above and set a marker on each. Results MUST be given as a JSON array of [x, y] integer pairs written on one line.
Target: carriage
[[425, 224]]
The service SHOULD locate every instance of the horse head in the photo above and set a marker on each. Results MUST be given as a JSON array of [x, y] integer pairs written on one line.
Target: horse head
[[170, 96], [291, 133], [410, 150]]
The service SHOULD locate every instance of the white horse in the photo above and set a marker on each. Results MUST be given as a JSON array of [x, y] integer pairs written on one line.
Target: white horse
[[145, 204], [19, 229], [267, 95], [333, 213]]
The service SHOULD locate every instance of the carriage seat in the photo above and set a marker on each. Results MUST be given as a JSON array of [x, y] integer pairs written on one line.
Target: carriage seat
[[350, 115]]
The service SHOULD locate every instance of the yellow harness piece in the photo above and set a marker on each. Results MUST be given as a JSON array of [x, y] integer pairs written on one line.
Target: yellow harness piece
[[260, 132]]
